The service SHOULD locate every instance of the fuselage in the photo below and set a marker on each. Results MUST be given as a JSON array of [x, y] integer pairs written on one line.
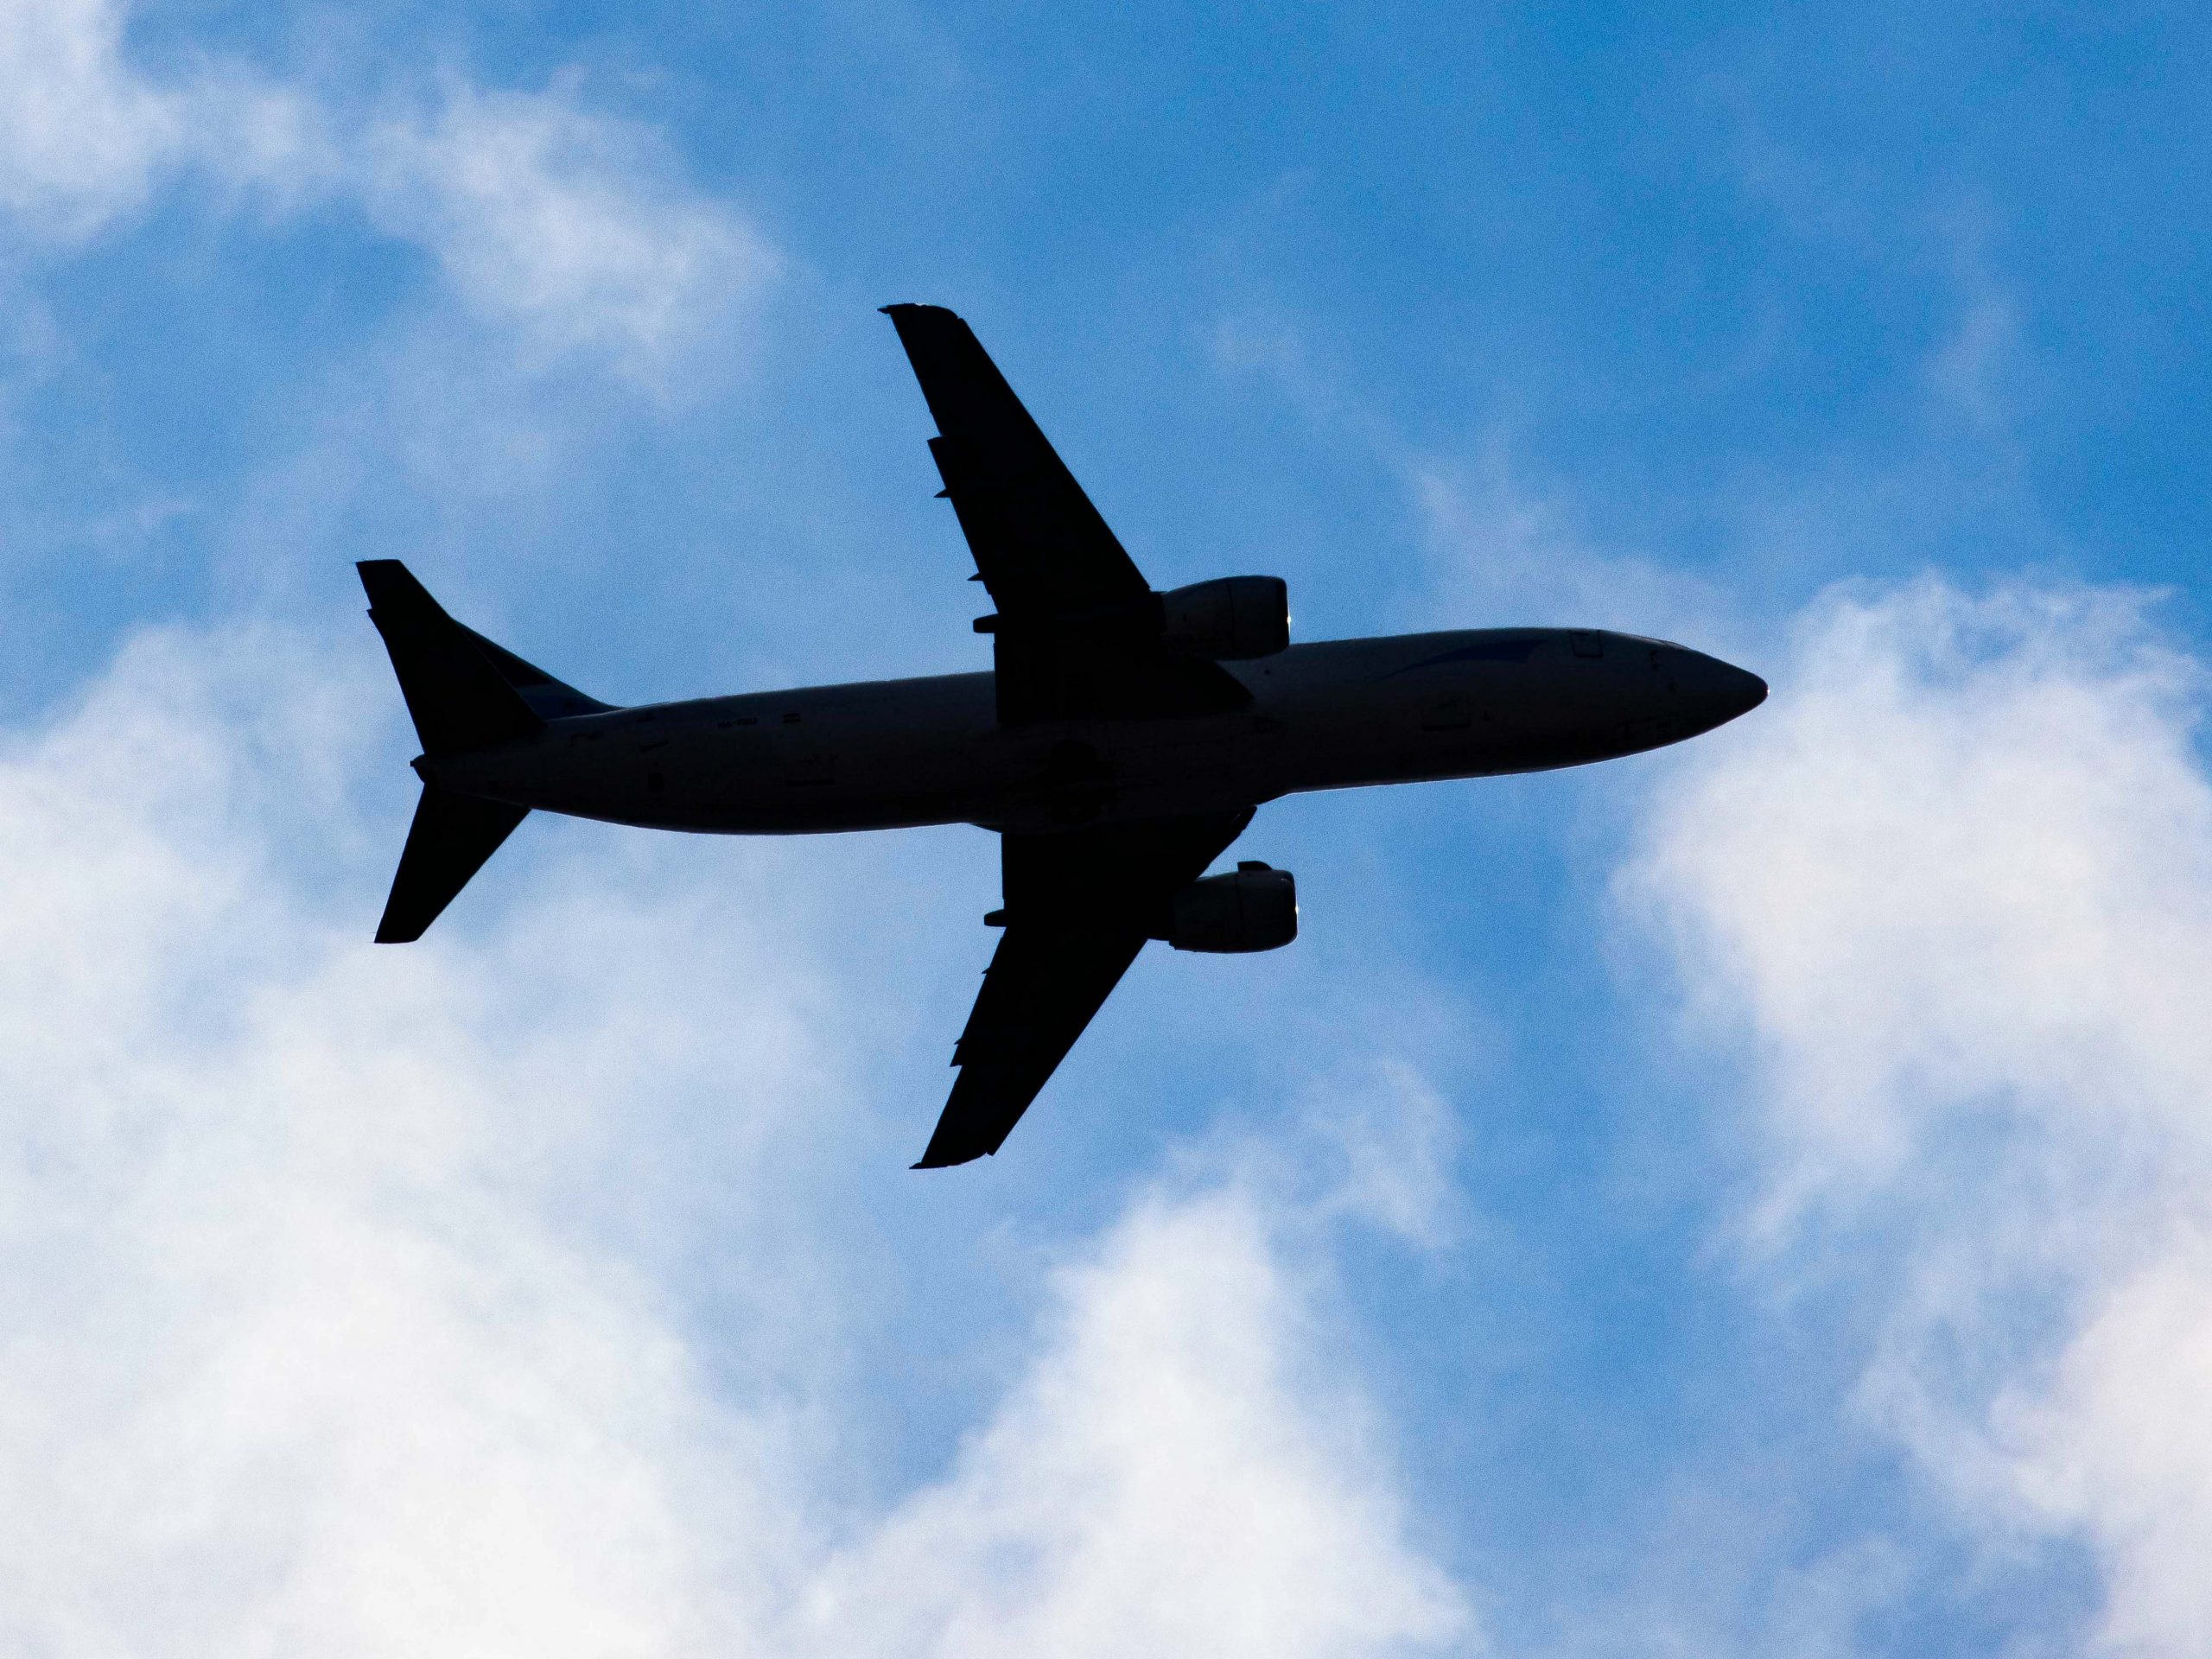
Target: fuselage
[[1335, 714]]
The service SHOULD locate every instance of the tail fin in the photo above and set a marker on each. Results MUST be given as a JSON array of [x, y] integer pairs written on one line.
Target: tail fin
[[451, 837], [464, 692], [459, 700]]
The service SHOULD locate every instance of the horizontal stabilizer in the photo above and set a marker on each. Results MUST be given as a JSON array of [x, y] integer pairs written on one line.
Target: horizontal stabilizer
[[451, 837], [458, 696]]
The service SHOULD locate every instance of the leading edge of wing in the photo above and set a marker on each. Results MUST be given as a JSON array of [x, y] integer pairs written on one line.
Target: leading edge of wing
[[1079, 906]]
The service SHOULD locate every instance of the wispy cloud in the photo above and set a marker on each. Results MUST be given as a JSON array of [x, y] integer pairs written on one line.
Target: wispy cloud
[[575, 227], [569, 224], [1493, 533], [1176, 1474], [311, 1345], [81, 136], [1953, 887]]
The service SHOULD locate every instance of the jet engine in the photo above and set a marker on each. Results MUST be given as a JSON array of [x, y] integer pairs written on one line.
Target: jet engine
[[1254, 908], [1228, 619]]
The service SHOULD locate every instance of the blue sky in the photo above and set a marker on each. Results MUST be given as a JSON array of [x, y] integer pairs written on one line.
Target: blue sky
[[1751, 1198]]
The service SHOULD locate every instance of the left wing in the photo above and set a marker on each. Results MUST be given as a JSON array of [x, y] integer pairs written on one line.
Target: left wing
[[1041, 548], [1079, 906], [1076, 632]]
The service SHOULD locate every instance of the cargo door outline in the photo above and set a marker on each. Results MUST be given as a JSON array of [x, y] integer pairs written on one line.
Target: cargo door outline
[[807, 761]]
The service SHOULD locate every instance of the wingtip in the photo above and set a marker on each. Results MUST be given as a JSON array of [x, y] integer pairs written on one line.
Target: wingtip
[[392, 929], [936, 1159]]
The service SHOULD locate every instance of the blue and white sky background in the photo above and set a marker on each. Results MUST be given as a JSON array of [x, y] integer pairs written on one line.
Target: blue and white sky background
[[1751, 1199]]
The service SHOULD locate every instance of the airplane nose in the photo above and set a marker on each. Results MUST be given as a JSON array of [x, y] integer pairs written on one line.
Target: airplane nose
[[1720, 691], [1741, 690]]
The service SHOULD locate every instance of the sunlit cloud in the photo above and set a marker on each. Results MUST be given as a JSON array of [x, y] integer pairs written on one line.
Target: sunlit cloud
[[1179, 1473], [574, 227], [1953, 892], [310, 1346], [566, 223]]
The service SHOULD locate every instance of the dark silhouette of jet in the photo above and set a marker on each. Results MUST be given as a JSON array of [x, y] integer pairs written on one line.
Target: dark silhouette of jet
[[1122, 742]]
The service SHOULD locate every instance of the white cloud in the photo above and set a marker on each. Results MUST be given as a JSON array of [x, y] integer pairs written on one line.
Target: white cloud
[[573, 227], [565, 222], [1953, 883], [81, 137], [1163, 1481], [1368, 1141], [2116, 1441], [292, 1360], [1382, 1143], [316, 1335]]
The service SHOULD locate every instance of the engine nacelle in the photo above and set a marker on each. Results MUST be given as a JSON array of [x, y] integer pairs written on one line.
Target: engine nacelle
[[1233, 617], [1254, 908]]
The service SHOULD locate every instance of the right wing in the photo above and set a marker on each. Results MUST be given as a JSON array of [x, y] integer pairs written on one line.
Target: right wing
[[1041, 989], [1079, 906], [1070, 634]]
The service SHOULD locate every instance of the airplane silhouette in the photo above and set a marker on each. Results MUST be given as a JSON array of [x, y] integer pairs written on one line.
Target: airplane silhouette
[[1121, 742]]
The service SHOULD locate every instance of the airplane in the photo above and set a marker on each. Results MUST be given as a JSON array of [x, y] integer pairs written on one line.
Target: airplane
[[1123, 737]]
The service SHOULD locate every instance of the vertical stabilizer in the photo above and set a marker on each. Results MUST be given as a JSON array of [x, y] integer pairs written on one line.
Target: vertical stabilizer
[[458, 698], [464, 692], [451, 837]]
